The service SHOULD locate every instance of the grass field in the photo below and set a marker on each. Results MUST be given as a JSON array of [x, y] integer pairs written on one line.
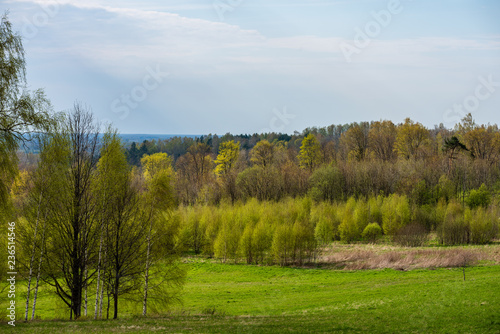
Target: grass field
[[228, 298]]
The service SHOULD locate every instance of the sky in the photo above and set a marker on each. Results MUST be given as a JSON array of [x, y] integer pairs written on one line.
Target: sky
[[241, 66]]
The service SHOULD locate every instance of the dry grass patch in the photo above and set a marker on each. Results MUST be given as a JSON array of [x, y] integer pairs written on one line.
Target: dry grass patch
[[356, 257]]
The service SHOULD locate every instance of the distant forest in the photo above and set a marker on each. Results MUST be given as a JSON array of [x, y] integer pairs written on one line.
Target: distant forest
[[359, 159]]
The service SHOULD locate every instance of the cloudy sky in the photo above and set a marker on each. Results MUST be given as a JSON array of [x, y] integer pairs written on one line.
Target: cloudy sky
[[241, 66]]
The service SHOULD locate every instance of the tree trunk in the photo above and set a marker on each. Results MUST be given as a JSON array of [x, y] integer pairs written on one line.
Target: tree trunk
[[146, 276], [32, 259], [98, 279], [36, 287], [85, 275], [115, 295], [102, 284], [76, 288], [39, 272], [107, 310], [99, 262]]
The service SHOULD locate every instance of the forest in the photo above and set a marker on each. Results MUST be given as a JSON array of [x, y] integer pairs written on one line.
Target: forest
[[100, 222]]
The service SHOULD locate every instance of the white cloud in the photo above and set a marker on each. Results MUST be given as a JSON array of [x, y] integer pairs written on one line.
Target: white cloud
[[216, 59], [133, 35]]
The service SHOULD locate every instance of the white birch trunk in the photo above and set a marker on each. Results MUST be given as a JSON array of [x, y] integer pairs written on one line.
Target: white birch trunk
[[146, 276], [102, 284], [98, 277], [32, 257], [42, 253]]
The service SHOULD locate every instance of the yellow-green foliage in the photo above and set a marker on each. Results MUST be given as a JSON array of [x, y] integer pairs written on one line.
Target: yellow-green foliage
[[454, 229], [210, 221], [375, 207], [372, 232], [193, 232], [310, 152], [226, 243], [348, 229], [252, 231], [465, 225], [395, 214], [228, 154], [323, 231], [483, 225], [282, 246], [246, 248], [261, 241], [290, 231]]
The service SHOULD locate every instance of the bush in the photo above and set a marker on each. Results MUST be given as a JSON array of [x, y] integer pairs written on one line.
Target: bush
[[226, 243], [192, 234], [454, 229], [304, 242], [323, 232], [283, 245], [375, 207], [412, 235], [246, 245], [426, 216], [261, 241], [479, 197], [348, 229], [483, 226], [395, 214], [325, 221], [372, 232]]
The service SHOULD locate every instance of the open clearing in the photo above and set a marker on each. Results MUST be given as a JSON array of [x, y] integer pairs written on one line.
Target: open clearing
[[229, 298]]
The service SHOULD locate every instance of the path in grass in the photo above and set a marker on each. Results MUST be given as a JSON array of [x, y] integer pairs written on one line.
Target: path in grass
[[239, 298]]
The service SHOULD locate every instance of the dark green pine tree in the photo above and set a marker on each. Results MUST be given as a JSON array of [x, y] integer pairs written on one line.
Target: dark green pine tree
[[133, 155]]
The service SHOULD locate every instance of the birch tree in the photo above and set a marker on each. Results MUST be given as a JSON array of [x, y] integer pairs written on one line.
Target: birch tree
[[21, 111], [157, 199]]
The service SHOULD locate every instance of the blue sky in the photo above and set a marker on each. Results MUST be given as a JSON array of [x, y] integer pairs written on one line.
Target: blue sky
[[241, 66]]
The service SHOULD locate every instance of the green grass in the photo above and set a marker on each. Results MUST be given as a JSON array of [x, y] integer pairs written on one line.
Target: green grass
[[224, 298]]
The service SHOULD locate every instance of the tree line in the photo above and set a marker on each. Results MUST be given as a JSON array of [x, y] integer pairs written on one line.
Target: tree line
[[336, 162]]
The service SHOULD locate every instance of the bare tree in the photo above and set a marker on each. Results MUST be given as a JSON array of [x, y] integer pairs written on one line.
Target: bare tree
[[71, 213]]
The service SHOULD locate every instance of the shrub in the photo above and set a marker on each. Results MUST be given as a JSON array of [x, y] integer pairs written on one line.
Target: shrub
[[426, 216], [323, 232], [246, 245], [375, 205], [261, 241], [348, 228], [324, 217], [454, 229], [395, 214], [283, 245], [483, 226], [412, 235], [479, 197], [304, 244], [372, 232], [192, 234], [226, 243]]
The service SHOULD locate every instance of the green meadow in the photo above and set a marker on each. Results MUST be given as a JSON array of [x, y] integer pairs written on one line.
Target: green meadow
[[233, 298]]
